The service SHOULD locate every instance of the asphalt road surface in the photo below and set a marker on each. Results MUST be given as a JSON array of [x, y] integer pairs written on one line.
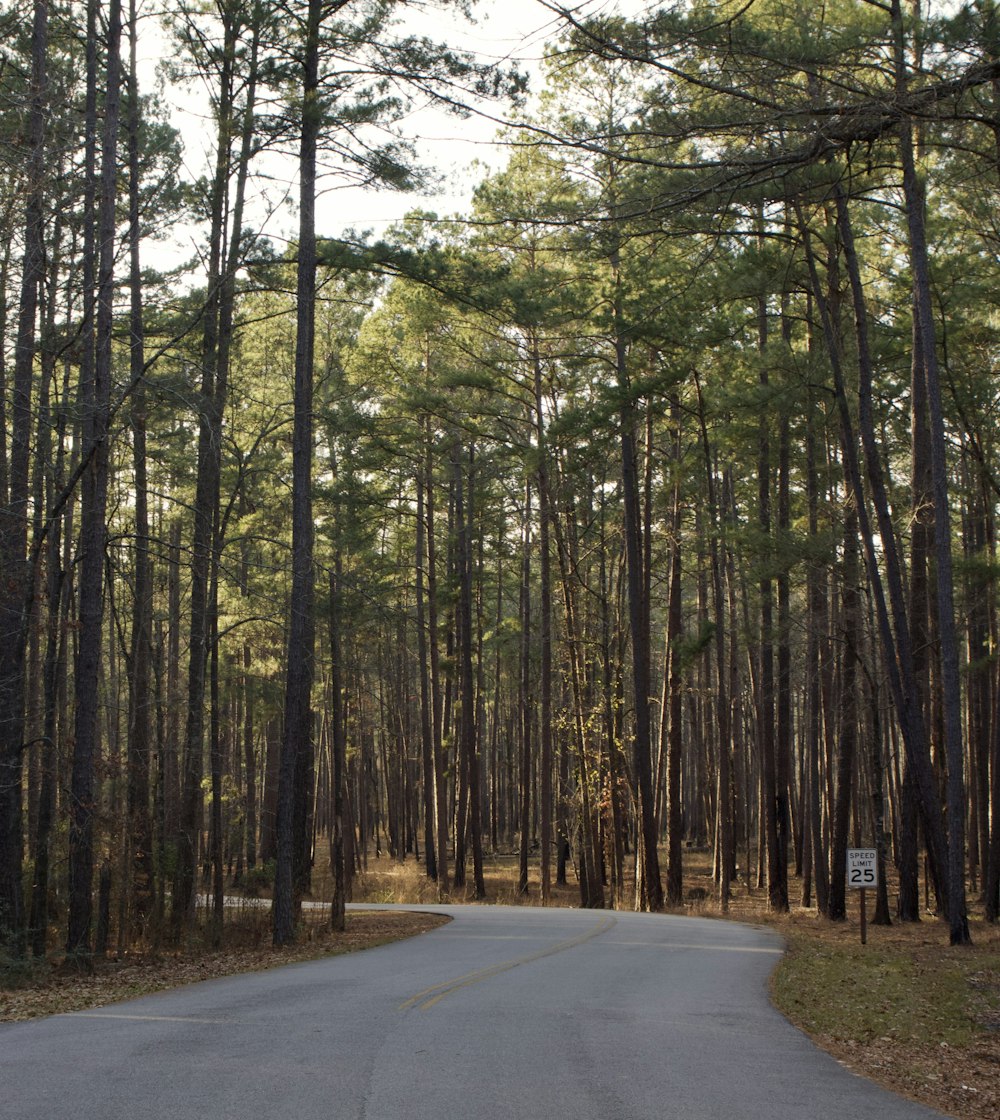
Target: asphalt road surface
[[507, 1013]]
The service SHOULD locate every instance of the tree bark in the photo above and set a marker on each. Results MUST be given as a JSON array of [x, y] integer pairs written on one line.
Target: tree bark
[[142, 887], [16, 589], [426, 715], [950, 679], [338, 717], [296, 751], [675, 682], [434, 651], [776, 855], [847, 742], [93, 530], [525, 698], [649, 887], [545, 632], [815, 658]]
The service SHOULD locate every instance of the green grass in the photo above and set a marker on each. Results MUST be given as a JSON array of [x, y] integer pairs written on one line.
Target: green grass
[[905, 990]]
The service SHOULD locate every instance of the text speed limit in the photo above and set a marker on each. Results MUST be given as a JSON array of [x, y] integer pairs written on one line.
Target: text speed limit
[[862, 868]]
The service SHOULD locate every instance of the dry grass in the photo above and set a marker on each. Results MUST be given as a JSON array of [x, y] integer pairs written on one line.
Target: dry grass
[[388, 880]]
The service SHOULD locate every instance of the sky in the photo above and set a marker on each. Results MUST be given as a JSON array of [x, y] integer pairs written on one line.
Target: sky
[[462, 151]]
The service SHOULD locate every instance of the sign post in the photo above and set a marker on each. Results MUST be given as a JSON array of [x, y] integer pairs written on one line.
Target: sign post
[[862, 872]]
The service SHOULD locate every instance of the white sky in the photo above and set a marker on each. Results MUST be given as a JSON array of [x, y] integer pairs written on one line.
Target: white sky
[[515, 30]]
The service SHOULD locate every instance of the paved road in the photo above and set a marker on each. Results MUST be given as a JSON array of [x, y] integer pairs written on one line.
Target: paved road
[[507, 1013]]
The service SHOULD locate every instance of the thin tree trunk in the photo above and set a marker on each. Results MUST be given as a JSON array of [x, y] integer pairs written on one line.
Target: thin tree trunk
[[525, 697], [93, 530], [848, 739], [211, 402], [296, 769], [55, 649], [338, 717], [467, 718], [649, 887], [437, 698], [675, 680], [591, 889], [724, 796], [545, 635], [783, 740], [921, 547], [772, 837], [815, 658], [16, 589], [426, 715], [140, 668]]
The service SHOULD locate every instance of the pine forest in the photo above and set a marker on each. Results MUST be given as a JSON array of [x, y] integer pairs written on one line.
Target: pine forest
[[647, 507]]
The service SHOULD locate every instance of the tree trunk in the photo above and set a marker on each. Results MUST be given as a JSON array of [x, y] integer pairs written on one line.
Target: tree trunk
[[93, 530], [816, 657], [950, 680], [437, 698], [53, 667], [675, 680], [296, 752], [210, 406], [545, 634], [142, 888], [649, 887], [426, 715], [16, 589], [772, 838], [525, 698], [848, 739], [724, 796], [468, 730], [338, 716]]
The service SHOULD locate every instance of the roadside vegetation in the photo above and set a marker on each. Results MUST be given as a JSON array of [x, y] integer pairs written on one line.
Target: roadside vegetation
[[921, 1018], [31, 990]]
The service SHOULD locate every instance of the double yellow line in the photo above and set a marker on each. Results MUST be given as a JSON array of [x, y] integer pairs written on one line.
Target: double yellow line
[[430, 996]]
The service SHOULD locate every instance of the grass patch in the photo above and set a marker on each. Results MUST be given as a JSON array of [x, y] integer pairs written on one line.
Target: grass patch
[[858, 992], [908, 1010]]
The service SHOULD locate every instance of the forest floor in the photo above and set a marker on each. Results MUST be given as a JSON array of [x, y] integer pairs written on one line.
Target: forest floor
[[57, 987], [906, 1009]]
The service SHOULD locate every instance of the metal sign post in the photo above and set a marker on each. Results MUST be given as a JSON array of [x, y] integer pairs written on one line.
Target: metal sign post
[[862, 872]]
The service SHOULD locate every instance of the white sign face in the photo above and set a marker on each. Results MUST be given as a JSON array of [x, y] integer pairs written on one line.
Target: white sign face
[[862, 867]]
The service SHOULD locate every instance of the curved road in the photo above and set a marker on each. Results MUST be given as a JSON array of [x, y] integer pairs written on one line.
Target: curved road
[[507, 1013]]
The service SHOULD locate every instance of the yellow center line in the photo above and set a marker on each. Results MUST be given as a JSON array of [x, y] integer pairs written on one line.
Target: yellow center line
[[702, 947], [142, 1018], [430, 996], [459, 936]]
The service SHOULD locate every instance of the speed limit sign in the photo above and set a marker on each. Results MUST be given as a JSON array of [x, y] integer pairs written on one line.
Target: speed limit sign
[[862, 868]]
